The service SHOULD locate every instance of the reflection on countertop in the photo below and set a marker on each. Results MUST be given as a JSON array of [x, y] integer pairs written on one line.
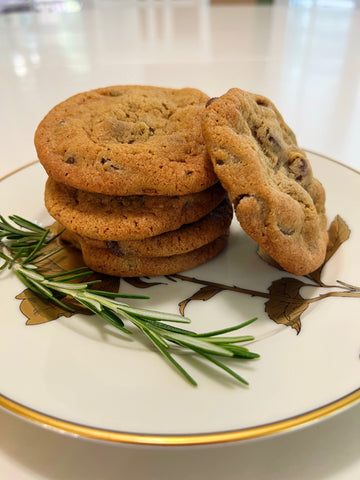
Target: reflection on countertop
[[306, 59]]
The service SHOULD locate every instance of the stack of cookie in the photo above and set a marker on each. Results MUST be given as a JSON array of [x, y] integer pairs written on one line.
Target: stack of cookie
[[131, 182]]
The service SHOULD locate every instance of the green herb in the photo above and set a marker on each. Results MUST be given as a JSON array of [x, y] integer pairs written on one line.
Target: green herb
[[22, 243]]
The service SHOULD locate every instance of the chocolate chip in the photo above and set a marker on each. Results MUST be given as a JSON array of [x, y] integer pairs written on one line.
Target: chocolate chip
[[275, 142], [261, 103], [209, 102], [114, 248], [70, 160], [285, 231], [219, 161], [299, 168], [254, 132], [304, 166], [107, 163]]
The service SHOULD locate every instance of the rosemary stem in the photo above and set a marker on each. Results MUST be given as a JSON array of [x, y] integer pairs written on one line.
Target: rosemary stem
[[22, 249]]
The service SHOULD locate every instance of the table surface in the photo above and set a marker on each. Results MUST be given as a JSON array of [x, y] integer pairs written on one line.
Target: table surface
[[305, 58]]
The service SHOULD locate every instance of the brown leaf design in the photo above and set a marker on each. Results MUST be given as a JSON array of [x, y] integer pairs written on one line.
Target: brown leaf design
[[38, 310], [205, 293], [286, 305], [67, 258], [138, 283], [338, 232]]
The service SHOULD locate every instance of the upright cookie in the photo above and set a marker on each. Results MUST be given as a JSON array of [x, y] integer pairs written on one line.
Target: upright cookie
[[128, 140], [106, 217], [277, 200]]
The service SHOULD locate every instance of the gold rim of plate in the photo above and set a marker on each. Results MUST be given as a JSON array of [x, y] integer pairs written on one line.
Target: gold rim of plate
[[182, 440]]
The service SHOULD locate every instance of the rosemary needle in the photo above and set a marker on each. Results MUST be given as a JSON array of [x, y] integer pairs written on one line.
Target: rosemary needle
[[22, 243]]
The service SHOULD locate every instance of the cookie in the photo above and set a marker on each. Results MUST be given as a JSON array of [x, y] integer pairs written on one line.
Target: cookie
[[128, 140], [186, 238], [276, 198], [103, 261], [106, 217]]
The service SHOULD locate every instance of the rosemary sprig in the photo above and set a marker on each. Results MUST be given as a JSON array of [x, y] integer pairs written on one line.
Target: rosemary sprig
[[22, 244]]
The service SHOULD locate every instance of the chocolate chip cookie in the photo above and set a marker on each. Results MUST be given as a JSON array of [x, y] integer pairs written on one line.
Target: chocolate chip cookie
[[186, 238], [277, 200], [103, 261], [128, 140], [114, 218]]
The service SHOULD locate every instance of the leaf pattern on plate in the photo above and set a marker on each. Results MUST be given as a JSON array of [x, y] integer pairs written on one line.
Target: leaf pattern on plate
[[338, 232], [286, 305], [38, 310], [284, 302], [205, 293], [139, 283]]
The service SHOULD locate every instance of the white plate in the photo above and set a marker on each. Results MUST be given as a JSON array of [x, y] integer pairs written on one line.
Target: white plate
[[79, 376]]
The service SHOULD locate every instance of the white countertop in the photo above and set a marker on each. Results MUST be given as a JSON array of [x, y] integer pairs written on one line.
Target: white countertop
[[306, 59]]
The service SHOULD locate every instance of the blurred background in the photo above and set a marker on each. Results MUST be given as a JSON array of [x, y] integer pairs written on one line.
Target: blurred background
[[300, 53], [8, 6]]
